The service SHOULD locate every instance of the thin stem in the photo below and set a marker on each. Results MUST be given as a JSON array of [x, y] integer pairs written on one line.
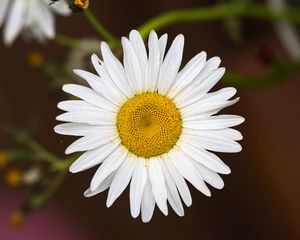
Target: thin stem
[[278, 73], [98, 26], [24, 138], [61, 167], [42, 152], [64, 164], [40, 200], [221, 11], [58, 180], [66, 41], [18, 154]]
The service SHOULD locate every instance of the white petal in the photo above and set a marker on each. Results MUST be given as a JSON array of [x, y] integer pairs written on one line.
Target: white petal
[[15, 21], [162, 46], [217, 97], [226, 133], [200, 84], [170, 66], [148, 202], [209, 176], [188, 74], [45, 19], [92, 141], [121, 179], [88, 95], [96, 83], [185, 167], [197, 91], [198, 111], [152, 67], [3, 10], [89, 117], [79, 129], [173, 196], [204, 157], [137, 185], [220, 95], [61, 7], [140, 51], [103, 186], [110, 164], [138, 46], [206, 80], [180, 183], [211, 65], [107, 82], [115, 70], [38, 35], [77, 105], [93, 157], [213, 143], [132, 66], [215, 122], [158, 184]]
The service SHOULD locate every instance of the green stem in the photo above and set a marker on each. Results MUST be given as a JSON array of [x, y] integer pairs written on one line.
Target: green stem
[[18, 154], [61, 167], [65, 164], [24, 138], [54, 185], [222, 11], [40, 200], [98, 26], [42, 153], [278, 73], [66, 41]]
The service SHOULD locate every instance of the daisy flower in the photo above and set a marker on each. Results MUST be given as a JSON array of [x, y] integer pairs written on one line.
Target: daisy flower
[[33, 18], [150, 125]]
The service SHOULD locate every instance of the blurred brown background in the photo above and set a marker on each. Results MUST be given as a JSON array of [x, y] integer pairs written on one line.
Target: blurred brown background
[[261, 197]]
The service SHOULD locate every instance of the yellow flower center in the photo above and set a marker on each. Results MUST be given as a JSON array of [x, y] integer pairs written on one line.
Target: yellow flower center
[[16, 219], [35, 59], [13, 177], [3, 160], [149, 124], [82, 3]]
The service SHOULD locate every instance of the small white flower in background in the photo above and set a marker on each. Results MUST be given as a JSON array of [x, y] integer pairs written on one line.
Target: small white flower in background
[[149, 125], [79, 57], [31, 175], [33, 18]]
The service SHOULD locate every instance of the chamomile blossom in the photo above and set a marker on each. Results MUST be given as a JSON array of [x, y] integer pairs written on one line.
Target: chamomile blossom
[[150, 125], [32, 18]]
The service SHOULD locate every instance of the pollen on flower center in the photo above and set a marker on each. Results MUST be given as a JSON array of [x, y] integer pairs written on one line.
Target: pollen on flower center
[[82, 3], [149, 124]]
